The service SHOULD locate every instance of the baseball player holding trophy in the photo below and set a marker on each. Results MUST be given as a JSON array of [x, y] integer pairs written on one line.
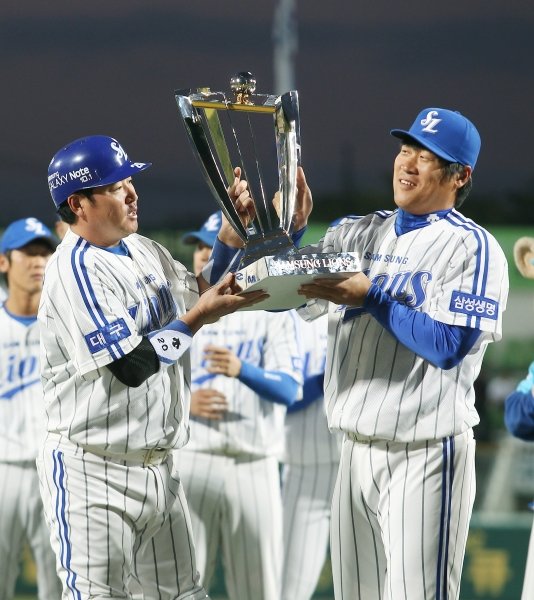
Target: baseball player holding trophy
[[406, 338], [117, 315]]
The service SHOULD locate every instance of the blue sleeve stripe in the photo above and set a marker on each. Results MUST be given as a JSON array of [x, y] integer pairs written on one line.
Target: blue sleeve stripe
[[86, 290], [482, 256], [383, 213], [180, 326]]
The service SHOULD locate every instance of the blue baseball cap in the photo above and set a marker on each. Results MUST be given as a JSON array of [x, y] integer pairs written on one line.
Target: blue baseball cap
[[446, 133], [207, 233], [22, 232]]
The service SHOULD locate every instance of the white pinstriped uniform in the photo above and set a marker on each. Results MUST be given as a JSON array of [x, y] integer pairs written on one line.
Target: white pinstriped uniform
[[310, 465], [408, 456], [22, 418], [230, 467], [105, 497]]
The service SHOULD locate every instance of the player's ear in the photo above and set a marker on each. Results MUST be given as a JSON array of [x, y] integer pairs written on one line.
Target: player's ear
[[4, 263], [463, 177], [75, 204]]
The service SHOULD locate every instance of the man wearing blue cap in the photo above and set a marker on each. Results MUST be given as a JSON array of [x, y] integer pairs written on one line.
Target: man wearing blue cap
[[406, 340], [25, 248], [246, 370]]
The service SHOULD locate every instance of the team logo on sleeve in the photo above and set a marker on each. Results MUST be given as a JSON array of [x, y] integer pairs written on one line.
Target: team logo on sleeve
[[474, 306], [102, 338]]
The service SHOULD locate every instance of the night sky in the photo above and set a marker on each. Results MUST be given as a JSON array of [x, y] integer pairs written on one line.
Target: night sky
[[110, 67]]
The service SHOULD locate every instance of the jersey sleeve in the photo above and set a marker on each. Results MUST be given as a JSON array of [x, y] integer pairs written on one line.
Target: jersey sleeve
[[88, 314], [474, 291], [184, 285]]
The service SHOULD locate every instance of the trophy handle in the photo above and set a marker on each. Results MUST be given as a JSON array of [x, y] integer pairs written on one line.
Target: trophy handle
[[209, 165], [287, 123]]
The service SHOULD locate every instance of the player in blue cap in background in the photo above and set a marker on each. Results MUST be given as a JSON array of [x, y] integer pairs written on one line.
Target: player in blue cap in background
[[519, 420], [246, 370], [25, 248]]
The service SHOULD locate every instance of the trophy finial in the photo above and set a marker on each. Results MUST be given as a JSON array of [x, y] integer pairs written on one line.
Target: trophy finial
[[243, 84]]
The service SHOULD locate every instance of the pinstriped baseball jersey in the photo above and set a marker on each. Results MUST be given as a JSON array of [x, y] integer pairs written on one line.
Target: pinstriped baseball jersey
[[106, 303], [251, 425], [22, 413], [308, 440], [454, 271], [309, 472]]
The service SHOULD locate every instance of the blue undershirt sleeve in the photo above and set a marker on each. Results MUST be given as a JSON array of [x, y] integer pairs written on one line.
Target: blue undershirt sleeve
[[312, 390], [296, 236], [519, 415], [271, 385], [441, 344], [222, 259]]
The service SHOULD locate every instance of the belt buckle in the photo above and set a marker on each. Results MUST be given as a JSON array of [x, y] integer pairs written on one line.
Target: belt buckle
[[155, 456]]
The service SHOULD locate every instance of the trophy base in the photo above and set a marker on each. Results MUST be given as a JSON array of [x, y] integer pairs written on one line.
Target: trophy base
[[282, 275]]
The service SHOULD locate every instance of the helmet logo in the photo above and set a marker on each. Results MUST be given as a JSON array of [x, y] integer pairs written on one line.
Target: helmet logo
[[121, 154], [430, 122]]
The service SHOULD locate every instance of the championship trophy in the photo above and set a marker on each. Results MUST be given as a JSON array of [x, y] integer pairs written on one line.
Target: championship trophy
[[222, 135]]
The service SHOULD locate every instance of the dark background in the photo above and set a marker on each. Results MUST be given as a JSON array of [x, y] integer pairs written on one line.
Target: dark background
[[73, 68]]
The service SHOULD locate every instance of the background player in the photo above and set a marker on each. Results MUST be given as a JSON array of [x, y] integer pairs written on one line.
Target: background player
[[406, 341], [245, 369], [519, 420], [310, 462], [25, 248], [117, 314]]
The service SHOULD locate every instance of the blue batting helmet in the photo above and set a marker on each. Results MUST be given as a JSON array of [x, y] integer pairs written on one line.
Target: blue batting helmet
[[89, 162]]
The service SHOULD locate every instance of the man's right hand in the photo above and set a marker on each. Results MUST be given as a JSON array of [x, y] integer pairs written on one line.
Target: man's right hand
[[303, 205], [219, 300], [208, 404], [244, 205]]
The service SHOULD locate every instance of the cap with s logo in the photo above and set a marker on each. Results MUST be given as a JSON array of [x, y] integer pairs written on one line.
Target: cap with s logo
[[446, 133], [207, 233], [25, 231]]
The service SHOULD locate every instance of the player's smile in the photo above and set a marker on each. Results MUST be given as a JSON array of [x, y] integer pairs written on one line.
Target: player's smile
[[418, 183]]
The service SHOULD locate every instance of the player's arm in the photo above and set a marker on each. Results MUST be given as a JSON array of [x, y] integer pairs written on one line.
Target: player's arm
[[166, 345], [519, 409], [228, 250], [441, 344], [312, 390], [275, 386]]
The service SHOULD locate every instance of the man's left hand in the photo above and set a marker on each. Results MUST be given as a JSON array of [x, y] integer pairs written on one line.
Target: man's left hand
[[349, 290]]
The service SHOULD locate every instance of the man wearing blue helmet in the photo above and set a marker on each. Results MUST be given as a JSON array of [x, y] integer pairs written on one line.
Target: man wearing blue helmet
[[406, 340], [117, 316]]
